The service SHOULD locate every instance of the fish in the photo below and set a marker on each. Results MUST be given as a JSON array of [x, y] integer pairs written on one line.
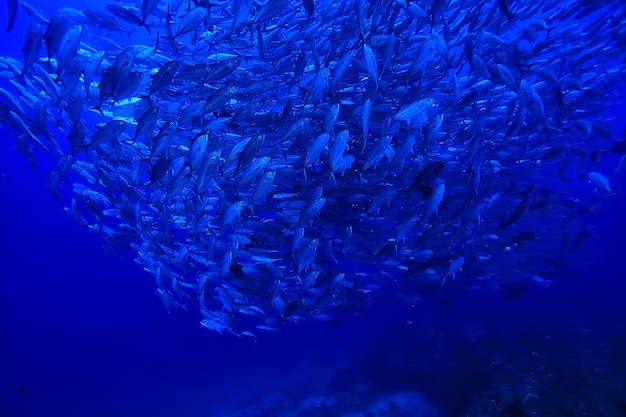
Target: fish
[[108, 132], [249, 151], [55, 30], [340, 144], [380, 148], [361, 18], [370, 63], [520, 239], [315, 149], [456, 265], [191, 21], [268, 10], [12, 9], [26, 131], [600, 181], [310, 211], [318, 85], [263, 186], [32, 44], [146, 123], [233, 213], [341, 66], [424, 179], [432, 204], [286, 157], [127, 15], [147, 8], [305, 259], [33, 13], [68, 48], [242, 9], [367, 113], [504, 6], [125, 87], [255, 169], [521, 209], [416, 112], [382, 199], [403, 152], [309, 6]]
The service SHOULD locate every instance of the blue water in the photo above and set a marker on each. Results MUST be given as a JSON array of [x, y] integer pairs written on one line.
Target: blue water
[[83, 333]]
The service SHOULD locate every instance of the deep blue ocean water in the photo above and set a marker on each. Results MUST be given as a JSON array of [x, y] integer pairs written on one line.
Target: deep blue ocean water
[[82, 332]]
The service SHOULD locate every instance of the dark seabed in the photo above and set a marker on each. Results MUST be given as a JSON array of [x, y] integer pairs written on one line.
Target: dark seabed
[[313, 209]]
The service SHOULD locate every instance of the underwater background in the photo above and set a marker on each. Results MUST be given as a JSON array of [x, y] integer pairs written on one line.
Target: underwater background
[[84, 333]]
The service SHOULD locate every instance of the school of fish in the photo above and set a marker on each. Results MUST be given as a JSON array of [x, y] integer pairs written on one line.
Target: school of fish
[[273, 160]]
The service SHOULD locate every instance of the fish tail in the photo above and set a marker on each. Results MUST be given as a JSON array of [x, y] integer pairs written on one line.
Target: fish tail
[[99, 108], [147, 97]]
